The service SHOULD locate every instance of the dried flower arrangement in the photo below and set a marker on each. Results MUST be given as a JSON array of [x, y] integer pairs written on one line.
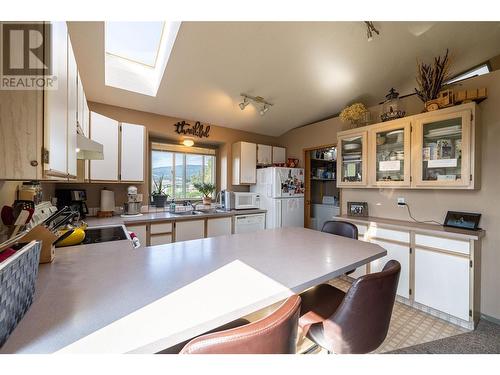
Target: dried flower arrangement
[[430, 78], [353, 112]]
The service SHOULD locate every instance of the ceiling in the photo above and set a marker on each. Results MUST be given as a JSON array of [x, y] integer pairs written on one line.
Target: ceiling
[[309, 70]]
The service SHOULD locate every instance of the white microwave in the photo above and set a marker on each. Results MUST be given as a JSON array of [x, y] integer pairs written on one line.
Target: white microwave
[[240, 201]]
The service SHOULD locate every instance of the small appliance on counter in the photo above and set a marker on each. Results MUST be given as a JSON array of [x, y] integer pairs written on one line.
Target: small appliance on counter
[[76, 199], [30, 191], [133, 206], [231, 200]]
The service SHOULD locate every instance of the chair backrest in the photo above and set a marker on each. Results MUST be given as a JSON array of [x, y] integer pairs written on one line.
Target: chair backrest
[[341, 228], [361, 322], [274, 334]]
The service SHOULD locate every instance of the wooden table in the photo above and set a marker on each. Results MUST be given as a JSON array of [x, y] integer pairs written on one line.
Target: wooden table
[[110, 298]]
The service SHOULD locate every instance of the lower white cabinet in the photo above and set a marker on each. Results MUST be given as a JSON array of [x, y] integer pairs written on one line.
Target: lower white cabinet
[[140, 231], [442, 282], [402, 255], [189, 230], [219, 227]]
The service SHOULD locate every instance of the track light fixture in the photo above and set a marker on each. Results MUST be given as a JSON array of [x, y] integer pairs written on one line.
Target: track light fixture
[[258, 100], [370, 29]]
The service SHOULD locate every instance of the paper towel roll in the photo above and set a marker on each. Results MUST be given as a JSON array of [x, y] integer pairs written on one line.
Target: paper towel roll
[[107, 200]]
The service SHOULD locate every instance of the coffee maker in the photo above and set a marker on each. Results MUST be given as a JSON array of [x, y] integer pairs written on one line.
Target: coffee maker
[[134, 202], [74, 198]]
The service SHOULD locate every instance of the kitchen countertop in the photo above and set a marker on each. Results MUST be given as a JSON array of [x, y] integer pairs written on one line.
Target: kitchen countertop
[[111, 298], [164, 216], [420, 227]]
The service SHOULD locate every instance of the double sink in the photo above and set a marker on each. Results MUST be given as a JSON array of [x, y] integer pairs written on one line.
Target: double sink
[[200, 212]]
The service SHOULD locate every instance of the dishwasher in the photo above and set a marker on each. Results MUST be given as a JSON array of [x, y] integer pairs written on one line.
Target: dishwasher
[[249, 223]]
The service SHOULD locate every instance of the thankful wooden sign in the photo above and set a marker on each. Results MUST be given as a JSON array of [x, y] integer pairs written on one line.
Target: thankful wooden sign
[[197, 130]]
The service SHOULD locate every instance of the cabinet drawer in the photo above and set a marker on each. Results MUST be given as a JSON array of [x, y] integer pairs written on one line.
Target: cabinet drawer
[[457, 246], [389, 234], [161, 228], [160, 239]]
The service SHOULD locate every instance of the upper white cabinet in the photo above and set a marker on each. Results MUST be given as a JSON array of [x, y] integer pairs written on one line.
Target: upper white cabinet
[[56, 107], [279, 155], [244, 156], [105, 131], [264, 154], [124, 147], [133, 146]]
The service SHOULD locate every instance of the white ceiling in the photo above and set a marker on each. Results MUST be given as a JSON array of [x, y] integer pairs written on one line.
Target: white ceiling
[[309, 70]]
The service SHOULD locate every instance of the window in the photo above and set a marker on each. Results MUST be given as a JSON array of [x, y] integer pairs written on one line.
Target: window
[[477, 71], [180, 168]]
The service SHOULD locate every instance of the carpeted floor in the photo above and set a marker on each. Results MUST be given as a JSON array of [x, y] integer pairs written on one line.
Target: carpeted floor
[[484, 340]]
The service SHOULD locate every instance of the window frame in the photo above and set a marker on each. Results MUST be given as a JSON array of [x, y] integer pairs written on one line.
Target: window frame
[[177, 150]]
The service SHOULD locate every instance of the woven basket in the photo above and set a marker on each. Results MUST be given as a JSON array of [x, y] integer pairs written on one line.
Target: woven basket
[[17, 287]]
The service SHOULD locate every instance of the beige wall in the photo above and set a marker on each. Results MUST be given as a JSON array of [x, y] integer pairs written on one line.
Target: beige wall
[[433, 204], [162, 127]]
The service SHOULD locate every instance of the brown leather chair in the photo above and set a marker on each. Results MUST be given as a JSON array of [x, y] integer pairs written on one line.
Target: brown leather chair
[[356, 322], [341, 228], [274, 334]]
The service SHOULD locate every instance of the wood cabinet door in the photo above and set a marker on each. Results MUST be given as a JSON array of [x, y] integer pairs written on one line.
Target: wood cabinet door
[[279, 155], [56, 106], [389, 154], [105, 131], [219, 227], [72, 110], [264, 154], [352, 159], [442, 150], [133, 149], [189, 230], [442, 282]]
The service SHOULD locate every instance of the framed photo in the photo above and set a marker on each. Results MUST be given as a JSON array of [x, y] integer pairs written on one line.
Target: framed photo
[[357, 209], [462, 220]]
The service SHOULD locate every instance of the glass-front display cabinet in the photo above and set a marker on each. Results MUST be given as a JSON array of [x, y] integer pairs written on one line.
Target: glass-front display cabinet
[[389, 154], [442, 155], [351, 159]]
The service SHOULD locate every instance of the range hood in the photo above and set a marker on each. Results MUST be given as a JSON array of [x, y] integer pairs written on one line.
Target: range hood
[[88, 149]]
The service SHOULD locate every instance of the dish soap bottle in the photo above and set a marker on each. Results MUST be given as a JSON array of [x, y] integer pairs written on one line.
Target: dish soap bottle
[[172, 206]]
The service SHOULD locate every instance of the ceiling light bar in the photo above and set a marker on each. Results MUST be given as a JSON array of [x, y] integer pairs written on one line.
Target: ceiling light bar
[[259, 100]]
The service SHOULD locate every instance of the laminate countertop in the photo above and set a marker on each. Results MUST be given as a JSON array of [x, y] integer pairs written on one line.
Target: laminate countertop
[[416, 226], [111, 298], [165, 216]]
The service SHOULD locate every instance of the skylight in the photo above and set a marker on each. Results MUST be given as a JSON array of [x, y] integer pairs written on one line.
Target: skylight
[[136, 41], [137, 54]]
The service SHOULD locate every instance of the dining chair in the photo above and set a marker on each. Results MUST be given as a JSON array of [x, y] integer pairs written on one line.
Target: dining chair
[[274, 334], [341, 228], [352, 322]]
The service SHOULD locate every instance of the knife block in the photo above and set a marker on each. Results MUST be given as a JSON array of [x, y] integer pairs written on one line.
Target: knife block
[[41, 233]]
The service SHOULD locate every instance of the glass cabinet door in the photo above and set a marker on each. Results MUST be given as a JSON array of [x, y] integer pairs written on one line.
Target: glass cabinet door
[[443, 157], [352, 160], [390, 155]]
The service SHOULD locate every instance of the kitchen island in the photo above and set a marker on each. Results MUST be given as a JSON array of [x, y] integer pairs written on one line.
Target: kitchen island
[[111, 298]]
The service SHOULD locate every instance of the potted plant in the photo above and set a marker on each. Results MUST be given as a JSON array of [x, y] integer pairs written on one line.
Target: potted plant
[[159, 194], [207, 189]]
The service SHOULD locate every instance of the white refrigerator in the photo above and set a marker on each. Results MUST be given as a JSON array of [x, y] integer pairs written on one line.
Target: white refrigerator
[[281, 193]]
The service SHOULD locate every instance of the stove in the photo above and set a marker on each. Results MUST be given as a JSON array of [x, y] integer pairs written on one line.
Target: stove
[[105, 234]]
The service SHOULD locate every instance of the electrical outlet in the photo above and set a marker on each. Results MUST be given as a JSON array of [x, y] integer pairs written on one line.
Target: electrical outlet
[[401, 201]]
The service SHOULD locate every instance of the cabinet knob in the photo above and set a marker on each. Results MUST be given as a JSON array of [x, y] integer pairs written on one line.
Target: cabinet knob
[[34, 163]]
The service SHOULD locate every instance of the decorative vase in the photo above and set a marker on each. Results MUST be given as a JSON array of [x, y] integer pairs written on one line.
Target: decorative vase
[[207, 200], [159, 200]]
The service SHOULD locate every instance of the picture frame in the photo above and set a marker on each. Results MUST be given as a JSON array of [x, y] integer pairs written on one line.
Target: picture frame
[[357, 209], [462, 220]]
